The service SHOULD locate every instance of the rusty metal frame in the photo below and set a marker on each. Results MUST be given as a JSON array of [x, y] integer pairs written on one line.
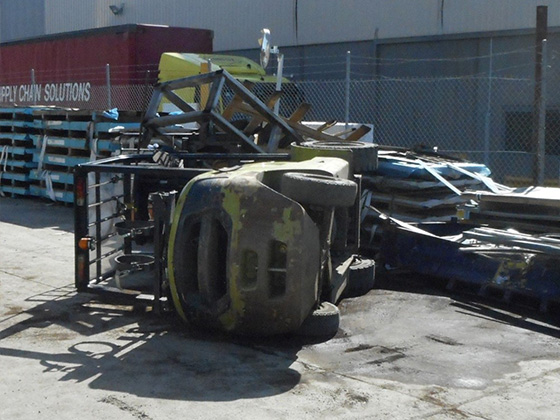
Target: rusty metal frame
[[153, 124]]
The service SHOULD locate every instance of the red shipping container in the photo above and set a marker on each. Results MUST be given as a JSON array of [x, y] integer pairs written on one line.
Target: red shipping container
[[66, 68]]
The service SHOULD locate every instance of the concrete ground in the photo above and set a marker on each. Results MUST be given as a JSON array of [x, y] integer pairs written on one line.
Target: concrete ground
[[403, 351]]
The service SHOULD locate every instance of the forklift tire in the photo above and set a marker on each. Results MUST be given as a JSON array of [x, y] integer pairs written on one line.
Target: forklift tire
[[319, 190], [364, 155], [322, 322], [361, 277]]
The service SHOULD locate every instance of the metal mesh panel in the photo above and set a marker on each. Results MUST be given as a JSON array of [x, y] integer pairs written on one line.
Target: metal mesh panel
[[488, 120]]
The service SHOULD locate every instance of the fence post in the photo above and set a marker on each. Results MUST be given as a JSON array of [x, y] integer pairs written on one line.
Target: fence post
[[108, 77], [279, 81], [538, 135], [347, 92], [488, 108], [541, 130], [33, 86]]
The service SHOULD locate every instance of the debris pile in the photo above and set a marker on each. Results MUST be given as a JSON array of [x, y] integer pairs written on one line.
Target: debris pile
[[447, 219], [416, 186], [531, 209]]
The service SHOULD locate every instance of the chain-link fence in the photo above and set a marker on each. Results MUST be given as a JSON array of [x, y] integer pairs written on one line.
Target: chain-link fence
[[487, 118], [485, 114], [99, 88], [456, 115]]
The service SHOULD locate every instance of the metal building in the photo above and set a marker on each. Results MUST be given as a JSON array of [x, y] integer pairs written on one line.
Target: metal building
[[489, 118], [236, 23], [309, 29]]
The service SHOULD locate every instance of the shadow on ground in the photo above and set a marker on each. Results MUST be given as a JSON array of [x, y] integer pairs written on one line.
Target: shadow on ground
[[116, 348], [36, 213]]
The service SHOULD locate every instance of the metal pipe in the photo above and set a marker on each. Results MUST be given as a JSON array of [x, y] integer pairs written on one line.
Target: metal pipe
[[111, 181], [101, 257], [104, 219], [279, 81], [98, 227], [107, 200]]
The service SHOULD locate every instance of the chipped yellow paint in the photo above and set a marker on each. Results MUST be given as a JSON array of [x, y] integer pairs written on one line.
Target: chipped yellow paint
[[288, 227], [232, 205]]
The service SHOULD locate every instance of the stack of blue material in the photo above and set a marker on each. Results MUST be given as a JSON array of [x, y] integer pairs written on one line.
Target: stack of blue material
[[40, 146]]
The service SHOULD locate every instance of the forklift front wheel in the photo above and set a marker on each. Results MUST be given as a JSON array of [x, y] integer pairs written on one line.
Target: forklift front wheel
[[361, 277]]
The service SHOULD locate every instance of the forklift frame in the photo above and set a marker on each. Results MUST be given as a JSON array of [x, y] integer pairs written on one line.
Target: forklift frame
[[90, 273]]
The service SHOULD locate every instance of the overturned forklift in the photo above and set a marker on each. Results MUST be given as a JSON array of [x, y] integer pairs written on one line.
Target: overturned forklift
[[226, 213]]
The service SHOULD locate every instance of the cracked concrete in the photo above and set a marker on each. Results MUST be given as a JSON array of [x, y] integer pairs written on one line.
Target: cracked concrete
[[404, 351]]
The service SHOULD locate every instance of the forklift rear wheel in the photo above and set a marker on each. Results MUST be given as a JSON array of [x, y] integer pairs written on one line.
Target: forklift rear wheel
[[320, 190], [322, 322]]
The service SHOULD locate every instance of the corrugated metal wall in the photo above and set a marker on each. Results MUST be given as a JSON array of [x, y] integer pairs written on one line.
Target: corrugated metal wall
[[237, 23], [21, 19], [460, 16]]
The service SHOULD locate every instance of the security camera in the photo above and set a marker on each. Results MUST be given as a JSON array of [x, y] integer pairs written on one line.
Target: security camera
[[116, 9]]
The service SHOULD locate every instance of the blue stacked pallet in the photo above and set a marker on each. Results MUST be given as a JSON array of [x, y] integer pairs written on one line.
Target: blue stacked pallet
[[16, 150], [66, 138]]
